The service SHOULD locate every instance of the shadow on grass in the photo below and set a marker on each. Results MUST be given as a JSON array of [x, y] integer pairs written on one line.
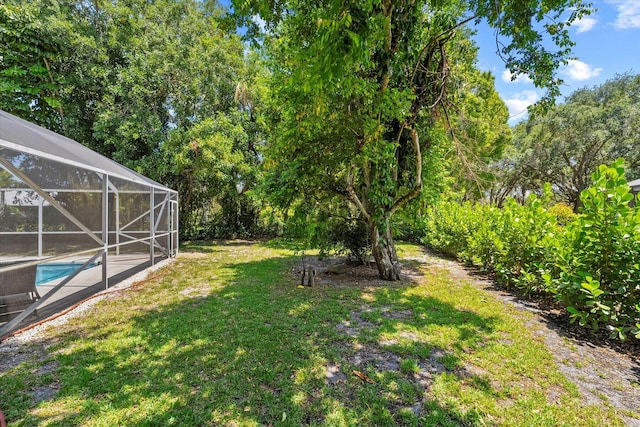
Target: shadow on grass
[[257, 352], [284, 243], [198, 246], [465, 329]]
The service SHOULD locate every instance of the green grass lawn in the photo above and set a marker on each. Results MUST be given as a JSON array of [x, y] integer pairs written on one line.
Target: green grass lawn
[[224, 336]]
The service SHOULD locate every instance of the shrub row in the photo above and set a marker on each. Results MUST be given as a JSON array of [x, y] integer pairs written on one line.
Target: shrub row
[[590, 262]]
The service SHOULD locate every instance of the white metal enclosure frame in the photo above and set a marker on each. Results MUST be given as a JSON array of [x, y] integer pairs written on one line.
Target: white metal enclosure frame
[[59, 200]]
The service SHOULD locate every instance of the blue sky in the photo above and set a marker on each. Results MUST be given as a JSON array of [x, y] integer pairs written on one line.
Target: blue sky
[[607, 43]]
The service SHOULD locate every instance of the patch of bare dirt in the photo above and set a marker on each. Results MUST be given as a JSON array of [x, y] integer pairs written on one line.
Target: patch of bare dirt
[[14, 354], [336, 271]]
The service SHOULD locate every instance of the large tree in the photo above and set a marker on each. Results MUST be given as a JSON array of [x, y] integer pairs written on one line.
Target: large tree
[[366, 91], [594, 126]]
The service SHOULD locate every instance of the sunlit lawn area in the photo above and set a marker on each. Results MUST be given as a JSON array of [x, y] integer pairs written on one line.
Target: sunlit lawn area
[[224, 336]]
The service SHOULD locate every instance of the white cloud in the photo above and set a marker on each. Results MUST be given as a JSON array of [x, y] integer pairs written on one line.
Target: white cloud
[[579, 71], [518, 105], [261, 23], [521, 78], [585, 24], [628, 13]]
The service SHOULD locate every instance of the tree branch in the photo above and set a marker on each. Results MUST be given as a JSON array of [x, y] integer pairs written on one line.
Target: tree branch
[[437, 40], [387, 9], [444, 75], [46, 64], [460, 152], [353, 196], [417, 188]]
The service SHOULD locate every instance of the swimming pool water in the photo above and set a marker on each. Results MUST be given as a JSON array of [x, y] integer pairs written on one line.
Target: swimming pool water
[[55, 270]]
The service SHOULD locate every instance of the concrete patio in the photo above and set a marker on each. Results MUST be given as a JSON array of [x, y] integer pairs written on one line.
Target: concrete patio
[[87, 283]]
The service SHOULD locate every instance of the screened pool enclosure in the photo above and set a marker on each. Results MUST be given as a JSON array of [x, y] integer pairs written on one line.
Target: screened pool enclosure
[[72, 222]]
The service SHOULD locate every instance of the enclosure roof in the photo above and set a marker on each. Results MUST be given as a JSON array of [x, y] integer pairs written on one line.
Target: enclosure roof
[[635, 185], [21, 135]]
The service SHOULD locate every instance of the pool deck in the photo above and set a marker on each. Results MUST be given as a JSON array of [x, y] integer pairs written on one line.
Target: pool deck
[[85, 284]]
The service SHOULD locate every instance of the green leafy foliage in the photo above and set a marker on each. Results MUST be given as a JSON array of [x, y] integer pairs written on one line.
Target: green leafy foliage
[[144, 83], [600, 267], [29, 84], [354, 238], [564, 213], [516, 242], [591, 264]]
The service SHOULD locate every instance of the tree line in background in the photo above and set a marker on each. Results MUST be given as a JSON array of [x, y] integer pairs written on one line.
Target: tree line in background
[[565, 146], [340, 123]]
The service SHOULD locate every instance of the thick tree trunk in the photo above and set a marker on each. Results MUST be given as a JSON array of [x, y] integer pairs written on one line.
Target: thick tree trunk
[[384, 253]]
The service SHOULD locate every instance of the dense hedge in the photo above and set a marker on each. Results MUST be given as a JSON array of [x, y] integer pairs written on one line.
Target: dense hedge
[[590, 262]]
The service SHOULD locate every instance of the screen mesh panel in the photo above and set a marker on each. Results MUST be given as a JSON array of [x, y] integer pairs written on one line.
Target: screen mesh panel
[[59, 201]]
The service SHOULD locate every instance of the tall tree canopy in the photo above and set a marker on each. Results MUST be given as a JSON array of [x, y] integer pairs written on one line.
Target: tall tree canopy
[[594, 126], [150, 84], [29, 83], [367, 92]]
